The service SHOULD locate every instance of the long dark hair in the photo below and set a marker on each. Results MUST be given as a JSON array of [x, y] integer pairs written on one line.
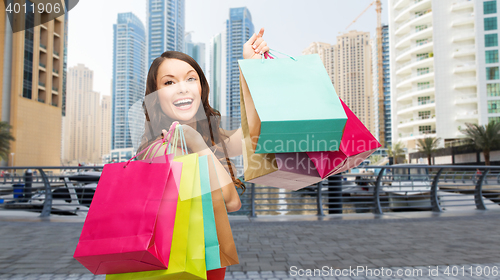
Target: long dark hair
[[209, 128]]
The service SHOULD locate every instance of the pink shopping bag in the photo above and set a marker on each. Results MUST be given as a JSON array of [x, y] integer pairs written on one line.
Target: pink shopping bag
[[356, 145], [130, 222]]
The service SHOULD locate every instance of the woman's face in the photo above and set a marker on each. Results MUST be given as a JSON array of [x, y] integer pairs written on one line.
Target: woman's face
[[179, 90]]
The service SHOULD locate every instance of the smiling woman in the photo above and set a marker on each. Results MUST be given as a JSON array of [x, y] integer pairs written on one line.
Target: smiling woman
[[177, 90]]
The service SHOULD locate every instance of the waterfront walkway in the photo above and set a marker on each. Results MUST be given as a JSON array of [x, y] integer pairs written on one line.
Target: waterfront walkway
[[282, 247]]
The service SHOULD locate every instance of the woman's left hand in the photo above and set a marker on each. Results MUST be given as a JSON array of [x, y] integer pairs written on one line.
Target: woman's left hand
[[255, 46]]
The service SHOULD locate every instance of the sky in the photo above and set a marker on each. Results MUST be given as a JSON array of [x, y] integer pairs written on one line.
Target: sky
[[290, 26]]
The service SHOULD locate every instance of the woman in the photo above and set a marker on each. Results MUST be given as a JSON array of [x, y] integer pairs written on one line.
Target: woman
[[177, 90]]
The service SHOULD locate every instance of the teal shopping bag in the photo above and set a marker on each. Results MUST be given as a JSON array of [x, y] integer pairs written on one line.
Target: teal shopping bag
[[212, 254], [296, 103]]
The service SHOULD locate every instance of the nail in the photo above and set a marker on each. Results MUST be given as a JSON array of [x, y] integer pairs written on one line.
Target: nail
[[254, 46], [256, 51]]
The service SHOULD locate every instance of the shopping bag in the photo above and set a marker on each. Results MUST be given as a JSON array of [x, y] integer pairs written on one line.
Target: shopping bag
[[212, 254], [291, 171], [216, 274], [187, 256], [296, 102], [357, 144], [227, 248], [130, 222]]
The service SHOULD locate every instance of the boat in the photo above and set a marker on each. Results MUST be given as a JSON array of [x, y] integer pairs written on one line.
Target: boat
[[410, 187]]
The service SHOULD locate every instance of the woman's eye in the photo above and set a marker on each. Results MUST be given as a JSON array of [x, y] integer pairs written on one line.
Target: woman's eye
[[168, 83], [192, 79]]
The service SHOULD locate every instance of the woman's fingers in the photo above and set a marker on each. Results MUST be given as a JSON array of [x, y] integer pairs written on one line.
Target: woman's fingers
[[255, 36], [257, 42], [260, 48], [261, 32], [252, 39]]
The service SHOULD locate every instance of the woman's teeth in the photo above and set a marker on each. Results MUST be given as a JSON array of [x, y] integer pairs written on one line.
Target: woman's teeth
[[183, 102]]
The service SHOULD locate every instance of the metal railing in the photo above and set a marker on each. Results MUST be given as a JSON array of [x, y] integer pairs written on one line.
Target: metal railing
[[420, 133], [416, 119], [377, 189], [430, 70], [415, 89], [47, 190], [416, 104], [417, 15], [414, 46], [402, 38], [401, 66]]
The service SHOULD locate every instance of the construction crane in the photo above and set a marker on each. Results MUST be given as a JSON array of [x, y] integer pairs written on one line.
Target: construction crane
[[380, 67]]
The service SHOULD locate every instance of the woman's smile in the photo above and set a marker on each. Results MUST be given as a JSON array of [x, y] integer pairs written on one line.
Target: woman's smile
[[183, 103]]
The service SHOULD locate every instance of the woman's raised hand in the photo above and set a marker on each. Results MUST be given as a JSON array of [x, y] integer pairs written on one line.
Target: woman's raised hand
[[255, 46]]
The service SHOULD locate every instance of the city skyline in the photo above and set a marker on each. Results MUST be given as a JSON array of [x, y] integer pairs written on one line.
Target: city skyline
[[206, 21]]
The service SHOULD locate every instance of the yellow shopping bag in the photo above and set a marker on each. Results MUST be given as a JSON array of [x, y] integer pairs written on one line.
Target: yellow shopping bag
[[187, 257]]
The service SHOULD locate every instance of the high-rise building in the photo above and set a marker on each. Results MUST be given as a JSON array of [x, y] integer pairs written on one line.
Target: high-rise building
[[32, 87], [487, 60], [383, 129], [105, 124], [195, 50], [387, 86], [64, 72], [349, 65], [216, 73], [353, 75], [165, 24], [82, 123], [239, 29], [444, 57], [129, 77]]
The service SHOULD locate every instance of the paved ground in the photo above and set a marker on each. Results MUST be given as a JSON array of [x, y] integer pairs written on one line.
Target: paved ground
[[284, 247]]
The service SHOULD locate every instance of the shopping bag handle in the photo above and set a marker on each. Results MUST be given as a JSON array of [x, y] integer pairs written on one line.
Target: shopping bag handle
[[267, 55], [179, 133], [163, 141], [154, 144]]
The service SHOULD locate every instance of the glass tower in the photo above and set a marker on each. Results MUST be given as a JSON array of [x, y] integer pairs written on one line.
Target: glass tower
[[387, 86], [239, 29], [165, 24], [129, 76]]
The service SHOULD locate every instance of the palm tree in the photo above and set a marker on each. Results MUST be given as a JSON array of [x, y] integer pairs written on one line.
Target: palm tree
[[484, 137], [428, 145], [396, 151], [5, 138]]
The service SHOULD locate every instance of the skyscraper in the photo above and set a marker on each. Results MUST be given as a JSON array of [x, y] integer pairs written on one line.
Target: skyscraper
[[445, 67], [353, 75], [239, 29], [129, 62], [195, 50], [105, 124], [32, 87], [387, 86], [82, 138], [165, 24], [348, 63], [383, 131], [217, 73]]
